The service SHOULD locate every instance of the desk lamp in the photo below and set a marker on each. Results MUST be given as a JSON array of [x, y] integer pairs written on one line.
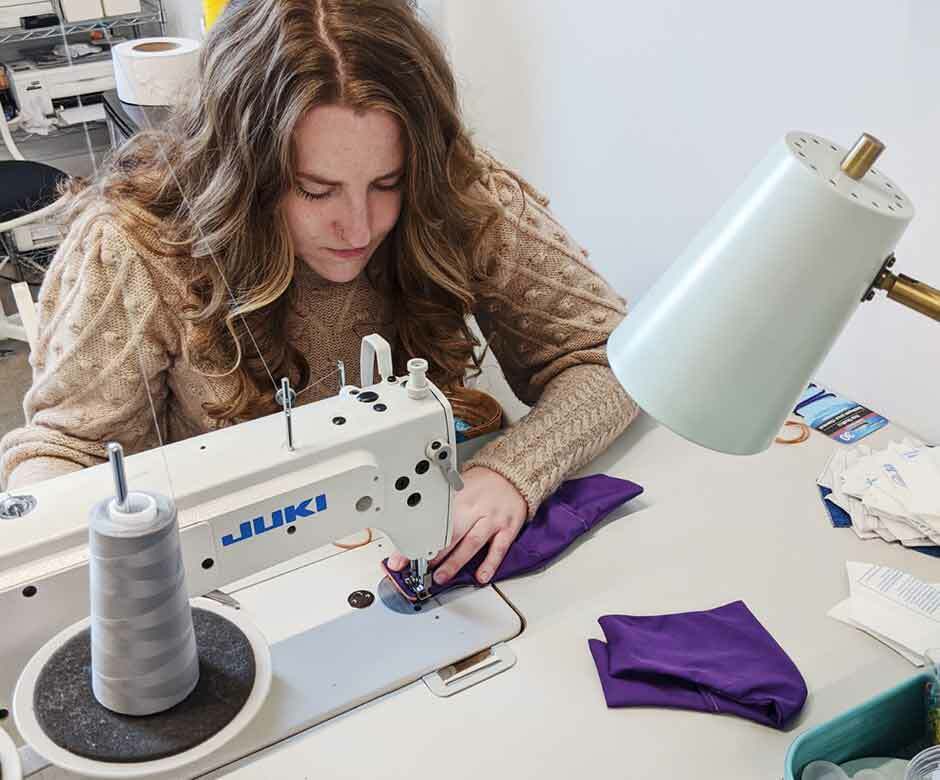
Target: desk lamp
[[721, 347]]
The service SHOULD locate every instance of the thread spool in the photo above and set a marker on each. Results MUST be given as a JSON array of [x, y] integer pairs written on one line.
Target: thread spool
[[152, 708], [143, 648], [417, 378]]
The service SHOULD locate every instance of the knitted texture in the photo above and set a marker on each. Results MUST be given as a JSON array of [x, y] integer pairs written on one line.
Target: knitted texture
[[546, 314], [109, 321]]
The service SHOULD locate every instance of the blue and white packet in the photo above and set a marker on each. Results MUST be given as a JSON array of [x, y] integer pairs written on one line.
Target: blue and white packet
[[839, 418]]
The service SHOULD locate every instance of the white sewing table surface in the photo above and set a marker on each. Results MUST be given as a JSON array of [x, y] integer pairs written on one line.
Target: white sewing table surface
[[709, 529]]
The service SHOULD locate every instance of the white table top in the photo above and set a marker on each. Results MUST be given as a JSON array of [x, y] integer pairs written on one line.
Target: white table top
[[709, 529]]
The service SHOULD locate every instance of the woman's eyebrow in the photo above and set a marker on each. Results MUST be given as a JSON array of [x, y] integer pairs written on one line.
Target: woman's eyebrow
[[330, 183]]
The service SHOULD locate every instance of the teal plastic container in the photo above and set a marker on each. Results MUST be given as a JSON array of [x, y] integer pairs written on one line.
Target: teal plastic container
[[891, 724]]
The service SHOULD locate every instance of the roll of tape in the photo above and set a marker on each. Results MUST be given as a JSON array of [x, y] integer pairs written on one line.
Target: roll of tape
[[155, 71]]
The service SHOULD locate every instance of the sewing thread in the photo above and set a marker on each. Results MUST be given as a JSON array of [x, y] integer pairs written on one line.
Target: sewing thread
[[143, 649]]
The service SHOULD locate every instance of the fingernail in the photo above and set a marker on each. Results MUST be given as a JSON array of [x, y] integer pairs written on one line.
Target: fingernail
[[440, 577], [484, 575]]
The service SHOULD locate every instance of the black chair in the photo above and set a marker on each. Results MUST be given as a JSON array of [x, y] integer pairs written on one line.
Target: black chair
[[27, 187], [27, 191]]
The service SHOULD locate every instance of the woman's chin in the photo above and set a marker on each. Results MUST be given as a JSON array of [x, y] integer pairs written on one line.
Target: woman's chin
[[338, 271]]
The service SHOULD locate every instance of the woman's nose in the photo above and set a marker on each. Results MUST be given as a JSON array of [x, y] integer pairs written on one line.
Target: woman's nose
[[353, 226]]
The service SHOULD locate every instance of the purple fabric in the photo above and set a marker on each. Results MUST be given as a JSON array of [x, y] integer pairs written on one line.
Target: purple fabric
[[720, 660], [576, 507]]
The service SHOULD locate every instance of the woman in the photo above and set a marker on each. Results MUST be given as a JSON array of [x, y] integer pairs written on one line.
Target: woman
[[319, 186]]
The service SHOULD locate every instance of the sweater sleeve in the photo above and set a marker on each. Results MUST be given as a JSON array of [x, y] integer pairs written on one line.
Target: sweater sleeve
[[546, 314], [103, 332]]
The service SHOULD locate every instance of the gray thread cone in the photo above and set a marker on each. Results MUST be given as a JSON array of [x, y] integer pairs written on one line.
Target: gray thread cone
[[143, 648]]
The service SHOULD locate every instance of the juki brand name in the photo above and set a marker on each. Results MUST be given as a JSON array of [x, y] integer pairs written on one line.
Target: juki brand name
[[279, 517]]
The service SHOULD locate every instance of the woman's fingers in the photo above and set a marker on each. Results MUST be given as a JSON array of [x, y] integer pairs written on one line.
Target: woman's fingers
[[499, 546], [397, 561], [470, 545], [444, 553]]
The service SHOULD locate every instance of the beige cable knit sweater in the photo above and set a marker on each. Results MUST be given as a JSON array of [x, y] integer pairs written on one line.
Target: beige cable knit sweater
[[108, 314]]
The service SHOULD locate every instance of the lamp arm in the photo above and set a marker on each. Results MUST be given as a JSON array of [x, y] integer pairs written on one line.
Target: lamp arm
[[905, 290], [912, 293]]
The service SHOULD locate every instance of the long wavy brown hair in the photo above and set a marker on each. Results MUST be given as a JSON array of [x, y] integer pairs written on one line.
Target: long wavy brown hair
[[216, 174]]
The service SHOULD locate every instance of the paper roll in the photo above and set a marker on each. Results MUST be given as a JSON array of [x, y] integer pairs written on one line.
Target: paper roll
[[155, 71]]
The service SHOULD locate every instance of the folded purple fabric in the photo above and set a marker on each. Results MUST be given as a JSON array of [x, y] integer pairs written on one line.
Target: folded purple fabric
[[576, 507], [720, 660]]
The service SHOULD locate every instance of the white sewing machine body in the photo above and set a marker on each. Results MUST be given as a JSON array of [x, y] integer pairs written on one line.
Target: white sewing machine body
[[51, 83], [247, 502]]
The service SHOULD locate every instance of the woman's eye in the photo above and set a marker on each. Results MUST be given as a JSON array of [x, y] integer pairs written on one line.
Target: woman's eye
[[326, 193], [313, 195]]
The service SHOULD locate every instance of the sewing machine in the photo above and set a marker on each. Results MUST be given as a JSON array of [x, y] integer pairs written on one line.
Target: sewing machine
[[40, 88], [258, 495]]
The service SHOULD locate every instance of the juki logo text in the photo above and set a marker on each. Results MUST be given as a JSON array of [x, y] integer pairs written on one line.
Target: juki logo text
[[279, 517]]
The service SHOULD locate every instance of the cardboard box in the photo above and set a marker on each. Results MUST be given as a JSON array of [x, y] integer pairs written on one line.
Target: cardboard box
[[11, 13], [81, 10], [121, 7]]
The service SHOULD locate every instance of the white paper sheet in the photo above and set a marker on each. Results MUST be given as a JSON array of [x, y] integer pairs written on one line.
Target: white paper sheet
[[844, 614], [892, 606]]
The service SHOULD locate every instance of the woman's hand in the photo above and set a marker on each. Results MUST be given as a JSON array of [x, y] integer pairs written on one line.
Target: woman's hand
[[488, 509]]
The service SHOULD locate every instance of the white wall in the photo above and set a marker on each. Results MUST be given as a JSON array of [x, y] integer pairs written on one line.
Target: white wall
[[640, 118], [183, 18]]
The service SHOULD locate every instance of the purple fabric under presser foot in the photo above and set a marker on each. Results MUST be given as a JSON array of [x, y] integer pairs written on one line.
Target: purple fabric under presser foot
[[575, 508]]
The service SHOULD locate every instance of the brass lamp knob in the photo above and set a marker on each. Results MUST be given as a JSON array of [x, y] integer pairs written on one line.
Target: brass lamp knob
[[862, 156]]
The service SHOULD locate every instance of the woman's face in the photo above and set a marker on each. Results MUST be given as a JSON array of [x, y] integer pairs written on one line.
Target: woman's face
[[349, 169]]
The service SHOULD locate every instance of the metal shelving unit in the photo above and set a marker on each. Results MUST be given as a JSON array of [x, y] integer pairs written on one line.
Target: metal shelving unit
[[150, 11], [66, 148]]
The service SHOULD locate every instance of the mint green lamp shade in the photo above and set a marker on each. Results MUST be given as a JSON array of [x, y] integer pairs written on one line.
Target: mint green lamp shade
[[721, 347]]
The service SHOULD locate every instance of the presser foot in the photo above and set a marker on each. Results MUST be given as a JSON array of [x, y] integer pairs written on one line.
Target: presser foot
[[413, 586], [419, 579], [420, 590]]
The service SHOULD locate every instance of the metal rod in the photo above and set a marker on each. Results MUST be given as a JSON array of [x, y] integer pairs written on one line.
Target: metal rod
[[912, 293], [116, 458], [286, 398]]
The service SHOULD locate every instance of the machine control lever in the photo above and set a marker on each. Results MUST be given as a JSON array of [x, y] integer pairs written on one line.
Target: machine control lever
[[444, 456]]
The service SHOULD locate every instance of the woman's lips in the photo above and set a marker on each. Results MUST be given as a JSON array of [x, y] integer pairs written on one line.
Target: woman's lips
[[349, 254]]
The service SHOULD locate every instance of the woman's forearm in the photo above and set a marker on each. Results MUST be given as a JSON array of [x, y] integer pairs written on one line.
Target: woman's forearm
[[34, 470], [580, 413]]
